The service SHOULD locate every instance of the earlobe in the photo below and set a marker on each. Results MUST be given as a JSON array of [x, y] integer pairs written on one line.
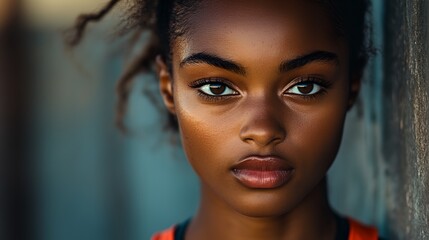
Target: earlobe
[[354, 91], [165, 84]]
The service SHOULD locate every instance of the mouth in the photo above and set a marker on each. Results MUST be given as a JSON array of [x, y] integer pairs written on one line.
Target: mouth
[[262, 172]]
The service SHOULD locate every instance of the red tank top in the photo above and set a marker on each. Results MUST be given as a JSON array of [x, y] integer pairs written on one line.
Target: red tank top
[[357, 231]]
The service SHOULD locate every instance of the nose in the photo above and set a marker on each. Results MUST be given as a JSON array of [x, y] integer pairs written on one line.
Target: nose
[[263, 124]]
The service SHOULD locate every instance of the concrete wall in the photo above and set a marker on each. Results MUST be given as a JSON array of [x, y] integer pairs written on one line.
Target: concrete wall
[[406, 118]]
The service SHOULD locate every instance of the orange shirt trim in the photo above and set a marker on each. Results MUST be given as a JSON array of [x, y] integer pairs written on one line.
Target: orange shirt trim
[[167, 234], [357, 231]]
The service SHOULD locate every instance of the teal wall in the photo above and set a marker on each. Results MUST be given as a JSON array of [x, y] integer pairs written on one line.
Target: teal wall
[[358, 177], [90, 180]]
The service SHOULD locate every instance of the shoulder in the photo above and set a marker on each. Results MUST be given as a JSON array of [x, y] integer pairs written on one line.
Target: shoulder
[[360, 231]]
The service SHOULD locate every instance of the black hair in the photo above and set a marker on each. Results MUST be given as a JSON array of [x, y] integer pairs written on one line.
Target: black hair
[[166, 20]]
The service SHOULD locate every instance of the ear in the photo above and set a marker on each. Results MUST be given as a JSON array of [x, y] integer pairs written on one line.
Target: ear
[[354, 90], [165, 84]]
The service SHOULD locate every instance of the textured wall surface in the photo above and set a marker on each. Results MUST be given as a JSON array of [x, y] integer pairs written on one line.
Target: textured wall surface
[[406, 118]]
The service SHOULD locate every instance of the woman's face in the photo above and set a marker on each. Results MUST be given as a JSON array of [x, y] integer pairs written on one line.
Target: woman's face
[[260, 90]]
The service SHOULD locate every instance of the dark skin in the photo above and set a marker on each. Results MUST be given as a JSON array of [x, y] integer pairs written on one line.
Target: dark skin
[[265, 78]]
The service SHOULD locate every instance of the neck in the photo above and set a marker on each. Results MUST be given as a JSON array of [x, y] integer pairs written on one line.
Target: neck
[[311, 219]]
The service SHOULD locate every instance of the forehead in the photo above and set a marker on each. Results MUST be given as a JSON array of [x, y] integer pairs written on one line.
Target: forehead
[[259, 11], [295, 26]]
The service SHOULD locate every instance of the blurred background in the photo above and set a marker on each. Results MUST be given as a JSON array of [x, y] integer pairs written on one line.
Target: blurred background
[[66, 171]]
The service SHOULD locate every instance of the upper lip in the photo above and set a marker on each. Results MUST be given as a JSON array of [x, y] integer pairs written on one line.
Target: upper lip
[[263, 163]]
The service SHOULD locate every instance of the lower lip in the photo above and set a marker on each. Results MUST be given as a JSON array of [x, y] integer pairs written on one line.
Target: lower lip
[[262, 179]]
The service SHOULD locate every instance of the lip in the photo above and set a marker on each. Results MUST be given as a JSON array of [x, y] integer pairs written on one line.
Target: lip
[[263, 172]]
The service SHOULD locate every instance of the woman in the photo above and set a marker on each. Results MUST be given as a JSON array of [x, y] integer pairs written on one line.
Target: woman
[[259, 91]]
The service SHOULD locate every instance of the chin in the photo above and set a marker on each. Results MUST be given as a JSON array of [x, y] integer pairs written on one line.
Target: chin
[[264, 205]]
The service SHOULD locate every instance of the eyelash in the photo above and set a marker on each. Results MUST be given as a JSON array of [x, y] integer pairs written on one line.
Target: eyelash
[[201, 82], [324, 84], [302, 80]]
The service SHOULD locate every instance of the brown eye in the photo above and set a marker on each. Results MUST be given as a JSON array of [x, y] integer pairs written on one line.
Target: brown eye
[[305, 88], [217, 89]]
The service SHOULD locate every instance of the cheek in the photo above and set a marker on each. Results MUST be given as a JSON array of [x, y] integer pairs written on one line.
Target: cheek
[[318, 136], [204, 136]]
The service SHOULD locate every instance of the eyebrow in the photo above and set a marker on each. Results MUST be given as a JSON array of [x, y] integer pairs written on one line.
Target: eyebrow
[[214, 60], [287, 65], [317, 56]]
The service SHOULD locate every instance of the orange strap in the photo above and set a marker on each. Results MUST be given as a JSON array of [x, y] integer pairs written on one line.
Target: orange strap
[[167, 234], [359, 231]]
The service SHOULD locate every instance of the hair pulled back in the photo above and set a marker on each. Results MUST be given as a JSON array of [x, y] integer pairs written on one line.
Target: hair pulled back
[[166, 20]]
